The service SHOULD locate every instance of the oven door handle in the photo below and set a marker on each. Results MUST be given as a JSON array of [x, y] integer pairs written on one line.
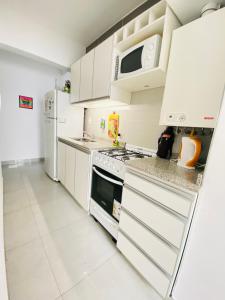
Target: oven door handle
[[107, 178]]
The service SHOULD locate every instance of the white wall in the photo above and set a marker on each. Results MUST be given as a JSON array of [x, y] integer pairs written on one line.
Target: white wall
[[139, 122], [21, 129], [202, 271], [34, 39]]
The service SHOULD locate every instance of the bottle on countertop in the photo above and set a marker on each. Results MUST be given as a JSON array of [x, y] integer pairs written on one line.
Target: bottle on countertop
[[165, 143], [118, 141]]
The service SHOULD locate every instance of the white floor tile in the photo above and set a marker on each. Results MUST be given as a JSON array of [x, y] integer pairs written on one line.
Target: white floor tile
[[29, 274], [13, 185], [57, 213], [117, 279], [43, 190], [55, 247], [14, 201], [77, 250], [84, 290], [20, 228]]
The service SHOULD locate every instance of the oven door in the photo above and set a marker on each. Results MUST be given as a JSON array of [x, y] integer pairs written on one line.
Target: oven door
[[107, 191]]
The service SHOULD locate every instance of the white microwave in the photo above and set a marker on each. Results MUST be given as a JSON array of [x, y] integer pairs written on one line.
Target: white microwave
[[140, 58]]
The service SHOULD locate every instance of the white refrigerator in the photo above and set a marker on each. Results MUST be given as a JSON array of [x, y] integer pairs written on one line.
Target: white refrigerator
[[202, 272], [60, 119]]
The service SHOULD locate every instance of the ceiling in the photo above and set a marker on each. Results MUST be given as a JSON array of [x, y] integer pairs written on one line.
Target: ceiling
[[188, 10], [81, 20]]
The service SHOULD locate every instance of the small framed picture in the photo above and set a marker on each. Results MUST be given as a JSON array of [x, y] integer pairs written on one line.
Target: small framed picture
[[25, 102]]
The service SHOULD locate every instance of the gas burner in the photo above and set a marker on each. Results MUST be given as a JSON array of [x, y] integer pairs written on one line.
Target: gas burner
[[131, 156], [114, 152]]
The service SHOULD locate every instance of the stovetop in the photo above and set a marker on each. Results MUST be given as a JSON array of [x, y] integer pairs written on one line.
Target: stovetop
[[113, 160], [124, 154]]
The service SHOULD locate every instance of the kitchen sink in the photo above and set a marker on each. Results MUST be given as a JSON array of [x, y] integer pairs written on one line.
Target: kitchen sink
[[83, 140]]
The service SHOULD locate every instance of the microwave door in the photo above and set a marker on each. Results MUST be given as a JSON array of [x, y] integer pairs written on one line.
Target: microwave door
[[132, 62]]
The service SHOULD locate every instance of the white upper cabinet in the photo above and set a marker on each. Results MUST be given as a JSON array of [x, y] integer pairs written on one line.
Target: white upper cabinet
[[196, 73], [75, 79], [158, 19], [86, 76], [98, 68], [102, 69]]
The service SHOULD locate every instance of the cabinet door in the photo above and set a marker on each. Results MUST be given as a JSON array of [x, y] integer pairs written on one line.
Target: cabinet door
[[86, 80], [61, 162], [75, 82], [82, 179], [102, 69], [70, 168], [196, 73]]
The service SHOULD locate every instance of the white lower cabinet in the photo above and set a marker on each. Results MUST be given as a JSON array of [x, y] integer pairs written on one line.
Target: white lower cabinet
[[62, 162], [70, 168], [147, 268], [82, 178], [153, 229], [157, 249], [74, 169]]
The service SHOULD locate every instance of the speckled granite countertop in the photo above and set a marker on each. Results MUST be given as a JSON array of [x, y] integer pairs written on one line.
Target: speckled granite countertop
[[166, 172], [87, 147]]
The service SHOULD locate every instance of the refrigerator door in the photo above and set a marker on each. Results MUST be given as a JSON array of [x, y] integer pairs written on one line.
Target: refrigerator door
[[50, 148]]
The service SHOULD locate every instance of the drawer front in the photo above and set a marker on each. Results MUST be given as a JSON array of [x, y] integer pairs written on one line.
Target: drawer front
[[166, 197], [158, 219], [143, 265], [161, 254]]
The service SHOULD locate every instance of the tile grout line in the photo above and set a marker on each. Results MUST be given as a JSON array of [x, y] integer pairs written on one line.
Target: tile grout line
[[17, 210], [22, 245], [7, 214], [88, 274], [12, 249], [42, 243], [27, 185]]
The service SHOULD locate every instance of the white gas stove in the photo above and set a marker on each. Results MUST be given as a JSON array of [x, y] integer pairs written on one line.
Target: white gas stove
[[107, 183]]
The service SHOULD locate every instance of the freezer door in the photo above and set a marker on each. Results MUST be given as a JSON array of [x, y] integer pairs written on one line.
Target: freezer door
[[50, 148], [63, 103], [50, 104]]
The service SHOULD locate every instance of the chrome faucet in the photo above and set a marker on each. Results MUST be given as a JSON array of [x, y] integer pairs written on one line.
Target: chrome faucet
[[87, 135]]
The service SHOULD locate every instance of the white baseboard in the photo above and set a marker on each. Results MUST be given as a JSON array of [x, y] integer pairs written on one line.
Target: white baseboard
[[21, 161]]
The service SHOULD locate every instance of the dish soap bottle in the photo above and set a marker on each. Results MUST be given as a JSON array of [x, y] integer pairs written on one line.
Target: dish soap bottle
[[118, 141]]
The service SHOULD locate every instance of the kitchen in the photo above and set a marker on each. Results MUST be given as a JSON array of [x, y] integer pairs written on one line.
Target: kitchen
[[118, 209]]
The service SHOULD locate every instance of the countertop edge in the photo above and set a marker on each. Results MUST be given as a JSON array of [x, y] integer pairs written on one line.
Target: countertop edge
[[75, 145], [165, 183]]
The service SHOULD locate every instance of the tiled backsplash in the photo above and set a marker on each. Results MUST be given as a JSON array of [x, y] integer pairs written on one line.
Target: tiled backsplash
[[139, 122]]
